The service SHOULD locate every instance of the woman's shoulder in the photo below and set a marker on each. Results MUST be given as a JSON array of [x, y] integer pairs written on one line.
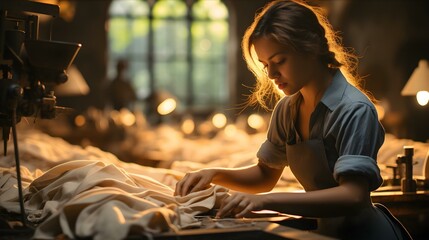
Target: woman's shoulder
[[351, 95], [354, 97]]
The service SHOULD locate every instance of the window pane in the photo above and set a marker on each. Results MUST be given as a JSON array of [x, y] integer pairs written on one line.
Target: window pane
[[171, 76], [209, 52], [128, 39], [169, 9], [209, 37], [170, 38], [140, 73], [129, 8], [119, 36], [210, 83], [171, 47], [210, 10]]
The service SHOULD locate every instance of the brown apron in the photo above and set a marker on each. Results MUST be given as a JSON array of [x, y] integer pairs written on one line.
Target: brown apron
[[309, 164]]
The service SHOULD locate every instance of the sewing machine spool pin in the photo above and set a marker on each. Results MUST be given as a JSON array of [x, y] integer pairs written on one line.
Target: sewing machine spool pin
[[408, 184]]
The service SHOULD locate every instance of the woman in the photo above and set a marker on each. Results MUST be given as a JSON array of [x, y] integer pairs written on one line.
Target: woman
[[325, 129]]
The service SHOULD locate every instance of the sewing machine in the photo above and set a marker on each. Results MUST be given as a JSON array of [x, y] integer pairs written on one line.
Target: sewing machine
[[30, 68]]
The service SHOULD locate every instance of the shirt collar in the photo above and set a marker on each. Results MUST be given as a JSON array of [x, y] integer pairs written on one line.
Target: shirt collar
[[333, 95]]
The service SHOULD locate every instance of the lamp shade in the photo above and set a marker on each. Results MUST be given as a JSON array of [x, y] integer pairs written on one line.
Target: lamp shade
[[74, 86], [419, 80]]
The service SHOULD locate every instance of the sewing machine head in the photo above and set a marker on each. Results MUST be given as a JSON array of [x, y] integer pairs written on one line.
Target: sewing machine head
[[30, 67]]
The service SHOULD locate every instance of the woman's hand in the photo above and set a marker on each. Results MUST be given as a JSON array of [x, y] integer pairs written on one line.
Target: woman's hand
[[194, 181], [240, 204]]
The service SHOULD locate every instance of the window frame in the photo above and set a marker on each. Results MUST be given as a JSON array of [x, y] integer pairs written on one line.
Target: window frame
[[149, 57]]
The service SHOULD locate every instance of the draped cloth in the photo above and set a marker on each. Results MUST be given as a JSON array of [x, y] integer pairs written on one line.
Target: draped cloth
[[91, 198]]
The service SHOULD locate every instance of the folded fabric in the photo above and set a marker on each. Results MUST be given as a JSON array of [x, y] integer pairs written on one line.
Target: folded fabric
[[87, 198]]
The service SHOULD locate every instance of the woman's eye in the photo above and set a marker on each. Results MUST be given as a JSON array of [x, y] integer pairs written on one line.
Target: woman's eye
[[280, 61]]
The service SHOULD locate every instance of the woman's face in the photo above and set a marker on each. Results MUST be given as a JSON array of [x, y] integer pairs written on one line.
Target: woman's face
[[289, 69]]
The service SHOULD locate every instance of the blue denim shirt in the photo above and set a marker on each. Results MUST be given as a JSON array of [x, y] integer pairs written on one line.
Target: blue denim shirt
[[345, 119]]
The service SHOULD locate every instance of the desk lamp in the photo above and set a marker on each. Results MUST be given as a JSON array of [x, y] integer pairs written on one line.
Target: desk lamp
[[418, 84]]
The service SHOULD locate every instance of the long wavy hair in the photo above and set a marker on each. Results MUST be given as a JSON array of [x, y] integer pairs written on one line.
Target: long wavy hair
[[302, 27]]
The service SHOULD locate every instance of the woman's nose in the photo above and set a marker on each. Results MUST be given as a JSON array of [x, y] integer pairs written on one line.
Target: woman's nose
[[272, 73]]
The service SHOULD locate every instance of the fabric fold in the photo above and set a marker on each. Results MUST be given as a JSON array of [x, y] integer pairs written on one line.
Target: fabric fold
[[91, 198]]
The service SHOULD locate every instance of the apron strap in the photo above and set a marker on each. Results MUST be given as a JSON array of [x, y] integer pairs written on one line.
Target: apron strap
[[396, 224]]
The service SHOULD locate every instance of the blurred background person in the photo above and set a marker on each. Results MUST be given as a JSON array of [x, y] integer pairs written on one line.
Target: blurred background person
[[120, 92]]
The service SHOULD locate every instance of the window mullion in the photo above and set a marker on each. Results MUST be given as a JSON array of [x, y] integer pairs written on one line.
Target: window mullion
[[151, 54], [190, 59]]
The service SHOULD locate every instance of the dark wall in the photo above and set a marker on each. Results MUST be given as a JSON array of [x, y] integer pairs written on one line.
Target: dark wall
[[88, 28], [389, 35], [242, 15]]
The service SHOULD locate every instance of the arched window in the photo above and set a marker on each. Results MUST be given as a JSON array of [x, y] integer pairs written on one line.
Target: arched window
[[174, 45]]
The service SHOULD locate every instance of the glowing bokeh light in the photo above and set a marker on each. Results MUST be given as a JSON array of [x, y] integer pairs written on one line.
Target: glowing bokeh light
[[422, 98], [230, 130], [188, 126], [256, 121], [219, 120], [79, 120], [167, 106], [127, 118]]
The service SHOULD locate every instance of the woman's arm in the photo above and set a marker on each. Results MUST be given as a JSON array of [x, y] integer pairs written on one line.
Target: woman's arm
[[252, 179], [347, 198]]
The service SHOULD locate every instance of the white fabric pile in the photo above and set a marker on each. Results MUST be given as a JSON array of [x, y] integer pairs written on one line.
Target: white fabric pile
[[89, 193]]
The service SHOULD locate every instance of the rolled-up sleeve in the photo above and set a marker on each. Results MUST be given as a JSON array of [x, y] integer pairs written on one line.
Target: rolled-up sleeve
[[359, 165], [272, 155], [359, 139]]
